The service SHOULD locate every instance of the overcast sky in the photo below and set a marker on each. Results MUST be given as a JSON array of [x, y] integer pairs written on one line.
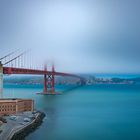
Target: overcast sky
[[96, 36]]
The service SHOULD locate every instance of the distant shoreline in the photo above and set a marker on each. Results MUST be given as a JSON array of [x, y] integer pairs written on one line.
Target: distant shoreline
[[88, 80]]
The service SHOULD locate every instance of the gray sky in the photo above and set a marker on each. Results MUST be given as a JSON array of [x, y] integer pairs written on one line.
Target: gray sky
[[79, 35]]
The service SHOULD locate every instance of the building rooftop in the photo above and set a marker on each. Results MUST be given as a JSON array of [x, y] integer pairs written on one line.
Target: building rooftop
[[12, 99]]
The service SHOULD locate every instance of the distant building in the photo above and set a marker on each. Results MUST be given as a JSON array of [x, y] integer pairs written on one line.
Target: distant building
[[12, 106]]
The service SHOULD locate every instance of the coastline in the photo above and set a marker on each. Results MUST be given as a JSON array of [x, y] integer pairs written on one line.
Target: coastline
[[21, 133]]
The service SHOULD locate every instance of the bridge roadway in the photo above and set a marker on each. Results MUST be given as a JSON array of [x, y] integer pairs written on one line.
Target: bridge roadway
[[12, 70]]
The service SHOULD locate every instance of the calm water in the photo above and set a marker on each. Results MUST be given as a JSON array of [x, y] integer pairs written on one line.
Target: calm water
[[99, 112]]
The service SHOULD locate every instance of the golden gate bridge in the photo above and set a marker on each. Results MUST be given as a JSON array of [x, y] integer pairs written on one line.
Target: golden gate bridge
[[13, 65]]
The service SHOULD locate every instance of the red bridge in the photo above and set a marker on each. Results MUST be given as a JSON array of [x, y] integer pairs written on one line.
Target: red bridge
[[49, 76]]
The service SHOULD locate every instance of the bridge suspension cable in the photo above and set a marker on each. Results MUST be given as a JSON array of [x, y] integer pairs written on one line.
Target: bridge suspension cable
[[7, 55], [15, 58]]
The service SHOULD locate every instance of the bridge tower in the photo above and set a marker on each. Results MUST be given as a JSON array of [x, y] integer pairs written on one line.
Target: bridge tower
[[45, 79], [49, 81], [53, 79], [1, 80]]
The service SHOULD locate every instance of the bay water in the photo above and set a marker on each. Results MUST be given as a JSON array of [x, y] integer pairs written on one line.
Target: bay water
[[95, 112]]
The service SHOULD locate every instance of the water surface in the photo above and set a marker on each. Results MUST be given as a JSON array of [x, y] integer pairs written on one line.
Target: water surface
[[98, 112]]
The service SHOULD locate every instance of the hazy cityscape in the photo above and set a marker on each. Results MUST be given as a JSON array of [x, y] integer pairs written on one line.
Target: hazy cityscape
[[88, 80]]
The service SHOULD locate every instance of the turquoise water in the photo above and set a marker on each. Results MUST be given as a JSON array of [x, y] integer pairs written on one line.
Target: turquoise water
[[99, 112]]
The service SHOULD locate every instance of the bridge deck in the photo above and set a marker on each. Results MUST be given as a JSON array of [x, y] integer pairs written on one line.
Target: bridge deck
[[12, 70]]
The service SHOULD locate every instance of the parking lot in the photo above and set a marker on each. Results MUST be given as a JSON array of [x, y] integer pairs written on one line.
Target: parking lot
[[15, 122]]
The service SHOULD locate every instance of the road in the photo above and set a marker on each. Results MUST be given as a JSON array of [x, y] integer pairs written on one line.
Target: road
[[13, 125]]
